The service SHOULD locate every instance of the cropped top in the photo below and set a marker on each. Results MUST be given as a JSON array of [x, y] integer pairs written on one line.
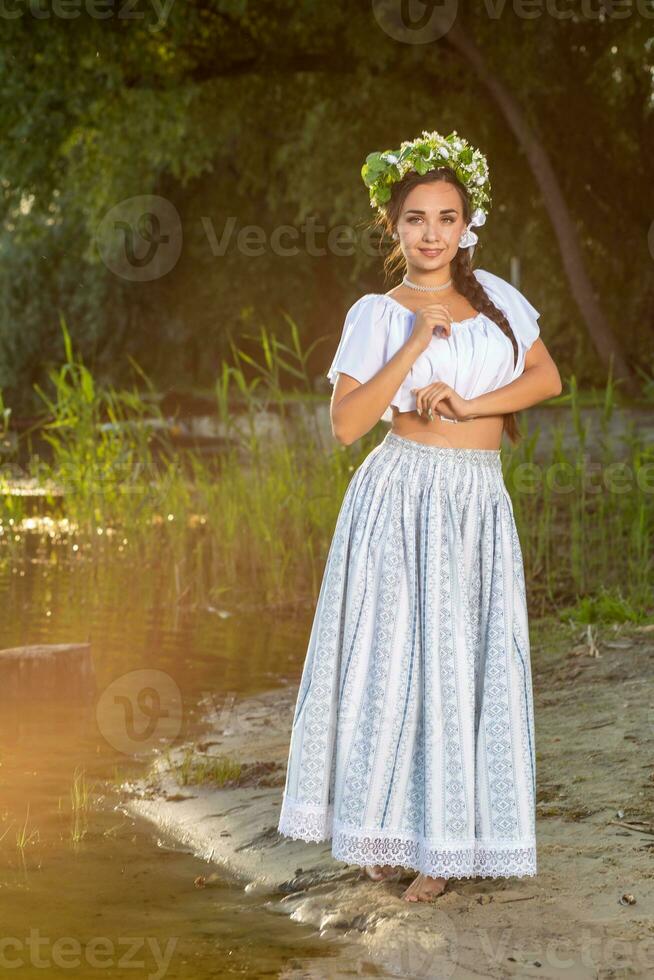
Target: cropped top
[[476, 358]]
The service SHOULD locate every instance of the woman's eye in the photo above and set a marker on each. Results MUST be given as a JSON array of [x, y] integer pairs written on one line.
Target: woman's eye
[[415, 218]]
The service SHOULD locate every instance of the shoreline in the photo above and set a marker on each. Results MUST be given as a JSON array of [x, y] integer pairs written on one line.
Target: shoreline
[[595, 807]]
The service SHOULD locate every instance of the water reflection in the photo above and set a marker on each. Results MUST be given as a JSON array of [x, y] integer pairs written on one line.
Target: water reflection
[[84, 886]]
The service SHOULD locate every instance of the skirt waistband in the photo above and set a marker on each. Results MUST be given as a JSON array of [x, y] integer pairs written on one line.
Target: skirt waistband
[[483, 457]]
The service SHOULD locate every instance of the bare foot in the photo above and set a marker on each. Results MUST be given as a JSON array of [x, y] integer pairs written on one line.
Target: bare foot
[[380, 872], [423, 888]]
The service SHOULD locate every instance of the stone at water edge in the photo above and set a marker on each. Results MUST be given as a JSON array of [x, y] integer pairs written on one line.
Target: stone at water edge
[[58, 669]]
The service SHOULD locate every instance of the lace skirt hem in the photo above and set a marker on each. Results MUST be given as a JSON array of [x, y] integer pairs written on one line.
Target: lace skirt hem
[[439, 859]]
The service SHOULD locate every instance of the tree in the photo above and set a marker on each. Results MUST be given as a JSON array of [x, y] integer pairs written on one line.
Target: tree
[[243, 114]]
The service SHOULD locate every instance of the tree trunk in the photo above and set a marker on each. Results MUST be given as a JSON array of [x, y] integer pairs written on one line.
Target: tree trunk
[[601, 334]]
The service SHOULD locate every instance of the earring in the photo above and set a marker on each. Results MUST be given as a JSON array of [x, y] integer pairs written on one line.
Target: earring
[[394, 235]]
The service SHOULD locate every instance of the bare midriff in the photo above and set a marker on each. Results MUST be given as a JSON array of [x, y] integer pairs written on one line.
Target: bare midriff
[[481, 433]]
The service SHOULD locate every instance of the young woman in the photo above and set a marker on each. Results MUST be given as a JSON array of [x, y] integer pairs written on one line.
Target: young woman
[[412, 745]]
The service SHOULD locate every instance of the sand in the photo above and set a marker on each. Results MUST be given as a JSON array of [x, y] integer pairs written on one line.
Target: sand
[[588, 913]]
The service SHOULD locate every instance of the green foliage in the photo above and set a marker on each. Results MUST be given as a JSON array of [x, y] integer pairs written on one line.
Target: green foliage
[[427, 152], [254, 521], [100, 441], [261, 114], [605, 607]]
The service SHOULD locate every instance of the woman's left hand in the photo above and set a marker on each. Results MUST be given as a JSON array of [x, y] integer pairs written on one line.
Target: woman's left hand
[[443, 400]]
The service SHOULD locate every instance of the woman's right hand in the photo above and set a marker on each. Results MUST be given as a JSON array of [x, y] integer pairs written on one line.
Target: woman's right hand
[[432, 320]]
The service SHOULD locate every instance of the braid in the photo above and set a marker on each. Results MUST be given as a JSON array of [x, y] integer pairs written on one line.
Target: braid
[[469, 286]]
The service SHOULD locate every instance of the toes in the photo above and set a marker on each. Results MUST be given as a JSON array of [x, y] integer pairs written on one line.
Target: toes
[[418, 892], [382, 872]]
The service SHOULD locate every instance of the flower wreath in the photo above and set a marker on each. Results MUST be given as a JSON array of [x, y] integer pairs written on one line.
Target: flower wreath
[[428, 152]]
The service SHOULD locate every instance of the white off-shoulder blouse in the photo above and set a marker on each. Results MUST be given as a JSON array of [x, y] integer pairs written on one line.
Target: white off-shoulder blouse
[[477, 357]]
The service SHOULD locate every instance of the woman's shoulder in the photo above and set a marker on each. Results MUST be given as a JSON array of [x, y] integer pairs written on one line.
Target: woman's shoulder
[[367, 318], [495, 282], [371, 307], [502, 287], [522, 314], [367, 301], [362, 349]]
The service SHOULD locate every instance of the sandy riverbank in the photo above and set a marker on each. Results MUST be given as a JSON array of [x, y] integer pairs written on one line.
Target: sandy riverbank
[[595, 774]]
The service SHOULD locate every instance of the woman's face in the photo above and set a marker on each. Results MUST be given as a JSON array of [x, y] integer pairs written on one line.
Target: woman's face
[[430, 226]]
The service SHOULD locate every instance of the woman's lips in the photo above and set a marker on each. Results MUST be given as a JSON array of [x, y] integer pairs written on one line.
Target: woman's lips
[[431, 252]]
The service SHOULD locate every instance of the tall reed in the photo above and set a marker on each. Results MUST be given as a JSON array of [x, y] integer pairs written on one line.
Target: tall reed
[[253, 522]]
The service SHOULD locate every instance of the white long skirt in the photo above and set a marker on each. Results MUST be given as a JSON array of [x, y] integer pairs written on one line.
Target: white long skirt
[[412, 741]]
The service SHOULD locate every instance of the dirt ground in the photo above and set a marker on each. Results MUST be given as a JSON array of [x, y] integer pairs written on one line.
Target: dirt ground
[[589, 912]]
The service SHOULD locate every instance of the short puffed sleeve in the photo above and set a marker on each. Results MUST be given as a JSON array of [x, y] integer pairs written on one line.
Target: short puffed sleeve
[[521, 314], [362, 349]]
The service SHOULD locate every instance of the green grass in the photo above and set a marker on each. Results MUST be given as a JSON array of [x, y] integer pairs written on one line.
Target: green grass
[[80, 804], [194, 769], [254, 521], [24, 837]]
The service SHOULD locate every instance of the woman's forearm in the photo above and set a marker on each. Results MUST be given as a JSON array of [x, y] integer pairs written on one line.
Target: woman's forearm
[[533, 386], [357, 412]]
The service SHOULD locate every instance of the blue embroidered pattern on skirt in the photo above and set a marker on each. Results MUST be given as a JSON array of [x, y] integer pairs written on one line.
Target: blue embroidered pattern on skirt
[[412, 740]]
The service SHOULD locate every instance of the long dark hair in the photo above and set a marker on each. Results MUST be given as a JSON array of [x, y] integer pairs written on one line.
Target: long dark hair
[[462, 275]]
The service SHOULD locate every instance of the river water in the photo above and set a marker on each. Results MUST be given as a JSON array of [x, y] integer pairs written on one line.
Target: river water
[[94, 891]]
